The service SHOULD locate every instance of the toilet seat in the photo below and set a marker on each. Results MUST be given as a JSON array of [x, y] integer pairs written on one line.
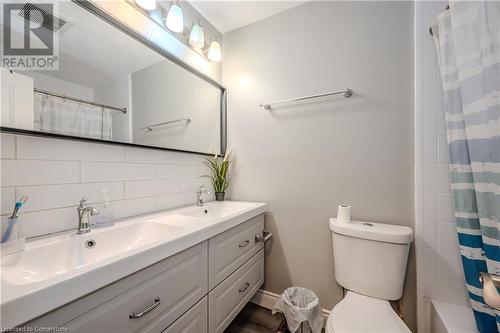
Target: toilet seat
[[362, 314]]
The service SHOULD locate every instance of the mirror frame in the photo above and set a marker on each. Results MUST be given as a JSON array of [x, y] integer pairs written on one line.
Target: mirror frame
[[123, 27]]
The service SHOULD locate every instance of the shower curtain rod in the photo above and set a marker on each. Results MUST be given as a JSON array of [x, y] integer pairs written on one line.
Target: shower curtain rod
[[430, 28], [40, 91]]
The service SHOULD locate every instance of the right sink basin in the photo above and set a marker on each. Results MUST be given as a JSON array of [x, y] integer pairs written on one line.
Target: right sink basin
[[216, 210]]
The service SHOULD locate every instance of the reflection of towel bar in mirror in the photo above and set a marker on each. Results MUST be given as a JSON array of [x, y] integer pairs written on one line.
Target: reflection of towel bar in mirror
[[78, 100], [151, 127], [346, 92]]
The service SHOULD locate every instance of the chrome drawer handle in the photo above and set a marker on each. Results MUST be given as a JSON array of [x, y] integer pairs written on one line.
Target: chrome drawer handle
[[266, 235], [244, 243], [242, 290], [146, 310]]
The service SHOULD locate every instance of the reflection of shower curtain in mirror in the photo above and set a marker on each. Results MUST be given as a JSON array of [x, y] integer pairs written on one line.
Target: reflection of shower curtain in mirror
[[56, 115]]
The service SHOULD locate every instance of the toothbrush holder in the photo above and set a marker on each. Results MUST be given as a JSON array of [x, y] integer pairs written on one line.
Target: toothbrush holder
[[16, 240]]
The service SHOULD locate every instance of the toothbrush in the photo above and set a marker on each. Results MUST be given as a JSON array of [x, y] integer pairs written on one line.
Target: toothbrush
[[13, 218]]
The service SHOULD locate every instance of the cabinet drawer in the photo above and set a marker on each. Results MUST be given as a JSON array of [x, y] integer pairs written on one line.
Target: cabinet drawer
[[193, 321], [156, 303], [230, 249], [229, 297]]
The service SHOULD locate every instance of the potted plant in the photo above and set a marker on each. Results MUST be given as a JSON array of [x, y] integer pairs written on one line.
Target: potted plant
[[219, 169]]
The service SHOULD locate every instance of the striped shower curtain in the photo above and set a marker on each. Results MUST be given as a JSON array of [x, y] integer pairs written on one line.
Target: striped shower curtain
[[468, 47]]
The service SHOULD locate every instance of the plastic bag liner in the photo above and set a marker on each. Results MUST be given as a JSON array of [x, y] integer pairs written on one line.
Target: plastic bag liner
[[300, 305]]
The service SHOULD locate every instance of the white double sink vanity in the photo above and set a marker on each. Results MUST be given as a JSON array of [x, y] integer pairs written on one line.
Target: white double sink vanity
[[186, 270]]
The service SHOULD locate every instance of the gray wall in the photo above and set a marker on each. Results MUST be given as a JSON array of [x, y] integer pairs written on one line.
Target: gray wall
[[307, 158], [165, 92]]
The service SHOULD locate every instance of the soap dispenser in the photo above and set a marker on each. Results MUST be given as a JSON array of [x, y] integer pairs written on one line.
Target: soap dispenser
[[106, 216]]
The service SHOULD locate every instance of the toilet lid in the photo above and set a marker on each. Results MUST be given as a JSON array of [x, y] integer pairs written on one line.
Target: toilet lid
[[362, 314]]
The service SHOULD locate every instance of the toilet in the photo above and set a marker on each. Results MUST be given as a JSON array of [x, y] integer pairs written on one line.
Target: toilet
[[370, 263]]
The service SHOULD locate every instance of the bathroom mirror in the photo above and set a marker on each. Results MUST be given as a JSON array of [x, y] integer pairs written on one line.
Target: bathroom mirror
[[112, 86]]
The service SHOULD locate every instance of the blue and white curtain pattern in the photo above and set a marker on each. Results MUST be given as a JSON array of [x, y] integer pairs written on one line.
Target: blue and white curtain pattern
[[468, 48]]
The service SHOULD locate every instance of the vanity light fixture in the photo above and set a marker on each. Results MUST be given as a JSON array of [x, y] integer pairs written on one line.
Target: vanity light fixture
[[147, 4], [196, 37], [214, 51], [175, 23], [175, 18]]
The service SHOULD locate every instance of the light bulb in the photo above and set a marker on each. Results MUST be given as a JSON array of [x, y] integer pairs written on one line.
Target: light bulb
[[175, 19], [146, 4], [214, 51], [196, 37]]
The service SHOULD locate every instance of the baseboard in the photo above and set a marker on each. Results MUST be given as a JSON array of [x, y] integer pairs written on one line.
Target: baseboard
[[266, 299]]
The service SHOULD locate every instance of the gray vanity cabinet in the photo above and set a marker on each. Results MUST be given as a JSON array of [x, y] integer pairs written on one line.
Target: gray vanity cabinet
[[153, 305], [231, 249], [200, 289], [193, 321], [229, 297], [162, 292]]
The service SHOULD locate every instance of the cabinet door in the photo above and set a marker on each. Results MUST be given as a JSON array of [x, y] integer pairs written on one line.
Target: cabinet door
[[230, 249], [155, 304], [193, 321], [229, 297]]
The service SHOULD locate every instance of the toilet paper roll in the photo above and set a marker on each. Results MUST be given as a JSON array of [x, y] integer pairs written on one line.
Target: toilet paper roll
[[344, 214]]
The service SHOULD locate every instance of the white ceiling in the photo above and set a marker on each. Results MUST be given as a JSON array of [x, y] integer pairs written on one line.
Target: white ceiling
[[92, 52], [231, 15]]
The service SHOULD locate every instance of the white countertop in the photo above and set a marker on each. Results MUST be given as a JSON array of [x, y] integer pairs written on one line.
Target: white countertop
[[31, 296]]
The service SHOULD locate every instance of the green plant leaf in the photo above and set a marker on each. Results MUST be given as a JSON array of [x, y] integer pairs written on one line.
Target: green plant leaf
[[219, 171]]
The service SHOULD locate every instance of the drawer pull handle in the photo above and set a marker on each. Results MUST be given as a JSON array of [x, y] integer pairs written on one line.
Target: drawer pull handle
[[242, 290], [244, 243], [266, 235], [146, 310]]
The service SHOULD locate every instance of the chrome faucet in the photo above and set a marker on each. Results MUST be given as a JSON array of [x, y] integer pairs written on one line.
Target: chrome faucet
[[199, 194], [84, 212]]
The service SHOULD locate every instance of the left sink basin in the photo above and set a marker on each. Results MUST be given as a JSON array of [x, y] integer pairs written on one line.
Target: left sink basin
[[47, 258]]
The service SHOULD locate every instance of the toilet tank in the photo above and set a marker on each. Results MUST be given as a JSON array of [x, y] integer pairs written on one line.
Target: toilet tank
[[370, 258]]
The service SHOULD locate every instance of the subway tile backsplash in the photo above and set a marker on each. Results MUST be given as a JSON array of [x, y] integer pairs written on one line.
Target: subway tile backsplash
[[8, 146], [7, 199], [17, 172], [29, 147], [55, 174], [155, 187], [64, 195], [111, 171]]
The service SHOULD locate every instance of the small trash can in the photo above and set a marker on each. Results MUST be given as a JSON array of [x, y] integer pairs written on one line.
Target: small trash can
[[302, 310]]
